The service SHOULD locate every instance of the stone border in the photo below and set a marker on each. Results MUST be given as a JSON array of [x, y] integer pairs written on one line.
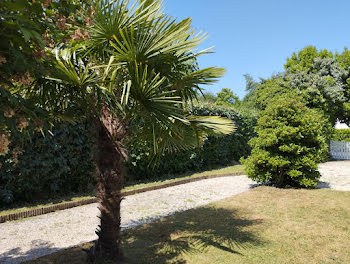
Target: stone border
[[68, 205]]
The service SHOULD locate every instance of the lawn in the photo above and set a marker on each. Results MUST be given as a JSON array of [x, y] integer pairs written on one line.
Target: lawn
[[235, 169], [265, 225]]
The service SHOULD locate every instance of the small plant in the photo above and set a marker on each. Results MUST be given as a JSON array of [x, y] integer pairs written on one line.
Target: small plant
[[289, 145]]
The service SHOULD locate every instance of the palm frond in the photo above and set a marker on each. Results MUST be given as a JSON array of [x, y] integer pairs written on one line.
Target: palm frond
[[111, 15], [188, 85], [213, 124]]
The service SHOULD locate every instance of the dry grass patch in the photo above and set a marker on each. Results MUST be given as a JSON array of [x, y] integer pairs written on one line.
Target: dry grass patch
[[265, 225]]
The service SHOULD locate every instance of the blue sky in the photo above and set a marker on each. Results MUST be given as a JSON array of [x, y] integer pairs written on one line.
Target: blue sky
[[256, 36]]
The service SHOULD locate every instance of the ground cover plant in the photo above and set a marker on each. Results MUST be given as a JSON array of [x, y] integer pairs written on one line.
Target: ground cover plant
[[265, 225]]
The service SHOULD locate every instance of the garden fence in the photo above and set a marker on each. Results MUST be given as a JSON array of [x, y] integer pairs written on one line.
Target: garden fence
[[340, 150]]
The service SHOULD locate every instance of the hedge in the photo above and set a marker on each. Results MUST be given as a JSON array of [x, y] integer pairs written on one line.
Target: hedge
[[341, 135], [216, 151], [60, 164], [48, 166]]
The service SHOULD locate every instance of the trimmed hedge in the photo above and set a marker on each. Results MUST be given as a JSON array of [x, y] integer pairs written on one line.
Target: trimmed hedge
[[216, 151], [48, 166], [341, 135], [60, 164]]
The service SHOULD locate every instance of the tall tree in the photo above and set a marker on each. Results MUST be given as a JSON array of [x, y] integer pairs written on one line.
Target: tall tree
[[250, 99], [320, 77], [130, 70], [226, 97]]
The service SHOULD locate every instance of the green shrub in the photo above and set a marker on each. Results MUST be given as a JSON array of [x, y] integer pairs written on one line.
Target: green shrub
[[216, 151], [47, 166], [341, 135], [289, 145]]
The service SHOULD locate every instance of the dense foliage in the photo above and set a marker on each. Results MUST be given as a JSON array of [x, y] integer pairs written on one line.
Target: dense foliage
[[226, 97], [289, 145], [319, 76], [29, 31], [341, 135], [41, 167], [47, 166], [215, 151], [288, 148]]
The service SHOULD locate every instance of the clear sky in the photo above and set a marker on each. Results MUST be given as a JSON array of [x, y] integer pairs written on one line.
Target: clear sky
[[256, 36]]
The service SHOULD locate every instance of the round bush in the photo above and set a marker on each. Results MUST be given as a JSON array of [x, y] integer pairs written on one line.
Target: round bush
[[289, 145]]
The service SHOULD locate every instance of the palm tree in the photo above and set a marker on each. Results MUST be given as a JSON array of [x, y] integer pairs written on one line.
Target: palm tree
[[133, 76]]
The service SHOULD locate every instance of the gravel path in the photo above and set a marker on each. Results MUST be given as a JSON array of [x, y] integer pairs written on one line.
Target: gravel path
[[335, 175], [37, 236]]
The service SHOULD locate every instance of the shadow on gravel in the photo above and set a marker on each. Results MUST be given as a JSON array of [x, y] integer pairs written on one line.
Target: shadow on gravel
[[323, 185], [254, 185], [16, 255]]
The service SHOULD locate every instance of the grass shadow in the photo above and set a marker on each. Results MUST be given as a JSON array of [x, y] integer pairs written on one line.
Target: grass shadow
[[212, 230], [190, 232]]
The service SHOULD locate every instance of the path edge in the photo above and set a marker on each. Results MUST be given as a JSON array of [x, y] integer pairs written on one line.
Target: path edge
[[68, 205]]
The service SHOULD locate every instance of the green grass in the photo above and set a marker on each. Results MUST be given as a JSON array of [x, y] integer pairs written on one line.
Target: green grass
[[173, 178], [166, 179], [265, 226]]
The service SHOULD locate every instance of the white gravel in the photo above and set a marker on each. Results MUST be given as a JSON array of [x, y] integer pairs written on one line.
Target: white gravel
[[335, 175], [37, 236]]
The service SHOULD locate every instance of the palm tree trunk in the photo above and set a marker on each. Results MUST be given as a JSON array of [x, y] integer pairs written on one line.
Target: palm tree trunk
[[110, 170]]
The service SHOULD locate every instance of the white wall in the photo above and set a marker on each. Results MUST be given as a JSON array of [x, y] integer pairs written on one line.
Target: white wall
[[339, 125]]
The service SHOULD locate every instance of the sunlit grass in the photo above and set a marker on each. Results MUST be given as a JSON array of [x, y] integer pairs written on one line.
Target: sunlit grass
[[265, 226]]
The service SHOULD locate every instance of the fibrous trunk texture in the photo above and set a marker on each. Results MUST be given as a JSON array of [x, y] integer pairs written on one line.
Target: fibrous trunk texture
[[110, 171]]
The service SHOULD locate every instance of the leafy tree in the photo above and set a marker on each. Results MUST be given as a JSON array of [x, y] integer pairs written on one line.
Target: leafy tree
[[207, 97], [130, 70], [344, 61], [269, 90], [226, 97], [304, 59], [251, 85], [343, 58], [318, 77], [29, 29], [250, 99], [289, 145], [323, 87]]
